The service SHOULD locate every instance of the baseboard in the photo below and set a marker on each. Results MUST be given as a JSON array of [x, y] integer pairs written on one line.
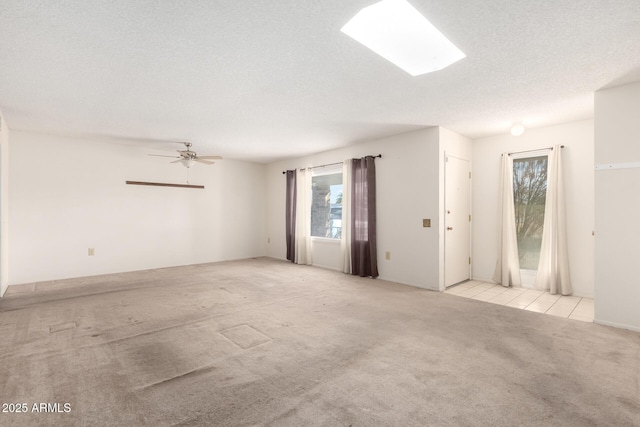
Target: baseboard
[[413, 285], [327, 267], [617, 325], [482, 279]]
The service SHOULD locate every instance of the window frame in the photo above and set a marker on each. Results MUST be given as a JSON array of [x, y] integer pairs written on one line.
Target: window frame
[[528, 276], [324, 171]]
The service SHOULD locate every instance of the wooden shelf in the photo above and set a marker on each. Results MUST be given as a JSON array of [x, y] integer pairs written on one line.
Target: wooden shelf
[[163, 184]]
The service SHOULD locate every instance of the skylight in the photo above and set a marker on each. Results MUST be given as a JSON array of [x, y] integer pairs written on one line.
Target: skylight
[[396, 31]]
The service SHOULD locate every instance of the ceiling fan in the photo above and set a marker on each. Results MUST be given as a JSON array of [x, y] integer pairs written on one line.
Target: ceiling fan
[[188, 157]]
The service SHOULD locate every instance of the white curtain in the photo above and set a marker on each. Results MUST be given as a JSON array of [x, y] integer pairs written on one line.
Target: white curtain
[[553, 268], [345, 239], [303, 217], [508, 265]]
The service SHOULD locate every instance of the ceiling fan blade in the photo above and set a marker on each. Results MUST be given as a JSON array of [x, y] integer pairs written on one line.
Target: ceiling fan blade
[[210, 157], [206, 162], [176, 161], [162, 155]]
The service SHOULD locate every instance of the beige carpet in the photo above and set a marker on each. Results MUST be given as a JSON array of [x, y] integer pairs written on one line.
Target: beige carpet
[[265, 342]]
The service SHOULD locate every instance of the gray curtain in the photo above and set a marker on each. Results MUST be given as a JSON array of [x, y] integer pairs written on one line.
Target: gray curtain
[[364, 260], [290, 226]]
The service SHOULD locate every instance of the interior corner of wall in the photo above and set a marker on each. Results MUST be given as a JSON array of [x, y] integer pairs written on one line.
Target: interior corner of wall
[[4, 211], [444, 132]]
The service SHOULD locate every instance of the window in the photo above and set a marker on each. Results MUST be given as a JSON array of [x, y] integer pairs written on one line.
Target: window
[[326, 204], [529, 197]]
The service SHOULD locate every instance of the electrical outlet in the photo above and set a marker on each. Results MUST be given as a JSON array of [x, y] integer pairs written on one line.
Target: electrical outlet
[[92, 251], [387, 255]]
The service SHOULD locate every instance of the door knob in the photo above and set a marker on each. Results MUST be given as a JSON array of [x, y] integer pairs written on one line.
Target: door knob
[[449, 228]]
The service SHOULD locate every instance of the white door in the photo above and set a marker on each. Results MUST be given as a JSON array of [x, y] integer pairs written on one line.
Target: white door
[[457, 239]]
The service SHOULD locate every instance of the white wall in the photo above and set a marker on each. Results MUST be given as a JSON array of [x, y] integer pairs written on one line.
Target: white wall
[[408, 187], [4, 205], [617, 140], [69, 194], [578, 139]]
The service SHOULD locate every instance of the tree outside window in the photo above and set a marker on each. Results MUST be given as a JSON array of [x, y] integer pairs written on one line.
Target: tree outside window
[[529, 195]]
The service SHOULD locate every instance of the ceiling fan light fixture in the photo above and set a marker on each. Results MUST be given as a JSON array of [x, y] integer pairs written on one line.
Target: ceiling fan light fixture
[[188, 157], [186, 162], [395, 30]]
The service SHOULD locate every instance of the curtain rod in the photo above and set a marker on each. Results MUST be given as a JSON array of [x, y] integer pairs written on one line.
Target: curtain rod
[[530, 151], [332, 164]]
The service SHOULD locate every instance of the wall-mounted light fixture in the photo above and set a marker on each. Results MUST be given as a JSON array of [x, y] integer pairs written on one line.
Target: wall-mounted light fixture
[[517, 129]]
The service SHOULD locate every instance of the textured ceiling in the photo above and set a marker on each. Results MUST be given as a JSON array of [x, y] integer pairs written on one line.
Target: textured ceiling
[[261, 80]]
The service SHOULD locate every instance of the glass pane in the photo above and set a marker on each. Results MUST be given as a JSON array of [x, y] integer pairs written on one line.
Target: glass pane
[[326, 206], [529, 195]]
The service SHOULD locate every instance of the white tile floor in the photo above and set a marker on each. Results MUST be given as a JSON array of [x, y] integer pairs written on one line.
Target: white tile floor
[[571, 307]]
